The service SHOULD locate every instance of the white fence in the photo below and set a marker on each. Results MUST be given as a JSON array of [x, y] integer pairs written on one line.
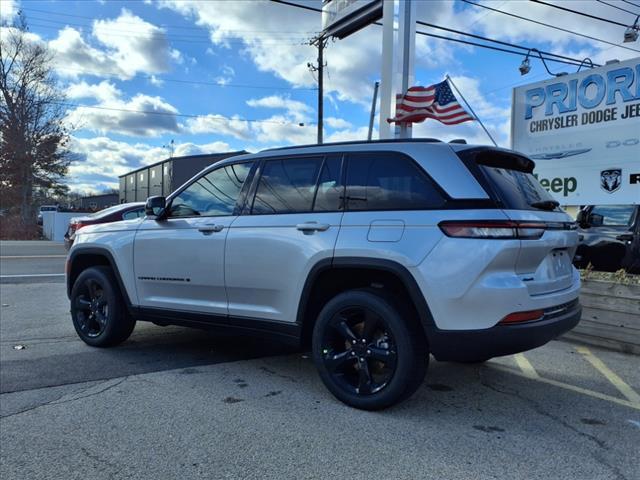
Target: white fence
[[55, 224]]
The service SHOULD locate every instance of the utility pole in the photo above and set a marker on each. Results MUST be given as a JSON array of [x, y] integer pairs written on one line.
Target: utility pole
[[373, 109], [321, 43]]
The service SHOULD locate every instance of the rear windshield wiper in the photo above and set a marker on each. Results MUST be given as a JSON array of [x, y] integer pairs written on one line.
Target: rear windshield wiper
[[546, 205]]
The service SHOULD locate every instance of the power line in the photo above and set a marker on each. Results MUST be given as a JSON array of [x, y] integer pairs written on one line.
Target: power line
[[499, 49], [161, 25], [550, 26], [493, 40], [293, 4], [616, 7], [595, 17], [441, 37], [195, 82], [171, 114], [631, 3], [185, 38]]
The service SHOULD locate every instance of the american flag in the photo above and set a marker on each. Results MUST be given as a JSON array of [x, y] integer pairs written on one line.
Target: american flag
[[436, 101]]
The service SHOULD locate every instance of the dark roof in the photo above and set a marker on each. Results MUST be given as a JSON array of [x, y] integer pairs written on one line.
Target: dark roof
[[214, 156], [359, 142]]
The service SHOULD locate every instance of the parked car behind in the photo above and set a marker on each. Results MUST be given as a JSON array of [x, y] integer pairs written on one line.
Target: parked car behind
[[609, 238], [45, 208], [124, 211]]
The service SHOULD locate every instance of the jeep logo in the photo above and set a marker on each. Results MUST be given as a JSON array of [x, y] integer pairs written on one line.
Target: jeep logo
[[566, 185]]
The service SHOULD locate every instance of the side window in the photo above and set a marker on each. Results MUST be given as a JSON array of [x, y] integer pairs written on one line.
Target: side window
[[613, 215], [388, 181], [287, 186], [133, 214], [213, 194]]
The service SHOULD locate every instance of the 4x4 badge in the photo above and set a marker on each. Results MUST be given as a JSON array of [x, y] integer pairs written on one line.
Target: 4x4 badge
[[611, 179]]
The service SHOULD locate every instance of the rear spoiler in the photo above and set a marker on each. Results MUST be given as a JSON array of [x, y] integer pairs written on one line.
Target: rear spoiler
[[499, 158]]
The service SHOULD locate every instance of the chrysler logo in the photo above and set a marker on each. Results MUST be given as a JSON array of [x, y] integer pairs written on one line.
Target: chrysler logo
[[611, 179]]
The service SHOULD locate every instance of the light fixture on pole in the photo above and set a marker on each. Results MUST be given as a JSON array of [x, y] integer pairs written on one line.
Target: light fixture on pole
[[587, 59], [631, 33], [525, 66]]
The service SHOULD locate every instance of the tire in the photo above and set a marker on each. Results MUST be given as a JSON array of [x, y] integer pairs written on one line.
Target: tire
[[98, 311], [369, 352]]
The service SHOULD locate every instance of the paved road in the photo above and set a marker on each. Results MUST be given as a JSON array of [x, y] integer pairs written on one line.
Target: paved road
[[179, 403], [31, 262]]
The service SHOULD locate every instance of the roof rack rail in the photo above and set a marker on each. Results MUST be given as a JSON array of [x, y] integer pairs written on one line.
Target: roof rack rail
[[359, 142], [458, 140]]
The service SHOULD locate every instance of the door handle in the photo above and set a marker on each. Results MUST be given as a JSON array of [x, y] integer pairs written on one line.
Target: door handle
[[310, 227], [209, 229], [625, 237]]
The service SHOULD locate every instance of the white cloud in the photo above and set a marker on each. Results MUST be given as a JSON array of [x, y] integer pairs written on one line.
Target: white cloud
[[142, 115], [214, 123], [123, 47], [297, 110], [353, 63], [8, 10], [104, 91], [101, 160], [333, 122]]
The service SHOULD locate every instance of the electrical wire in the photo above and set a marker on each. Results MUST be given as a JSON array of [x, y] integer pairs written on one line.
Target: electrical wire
[[595, 17], [550, 26], [441, 37], [631, 3], [616, 7], [493, 40], [195, 82], [171, 114], [161, 25]]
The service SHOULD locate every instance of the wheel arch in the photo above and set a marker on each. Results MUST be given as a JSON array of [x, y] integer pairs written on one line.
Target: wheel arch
[[83, 258], [329, 277]]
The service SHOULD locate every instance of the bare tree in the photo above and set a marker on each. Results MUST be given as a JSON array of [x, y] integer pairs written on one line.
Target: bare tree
[[33, 157]]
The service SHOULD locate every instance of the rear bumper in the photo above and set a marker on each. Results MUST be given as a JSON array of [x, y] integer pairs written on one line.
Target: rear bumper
[[477, 345]]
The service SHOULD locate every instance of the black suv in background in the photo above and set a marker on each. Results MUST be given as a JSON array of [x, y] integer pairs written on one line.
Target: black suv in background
[[609, 238]]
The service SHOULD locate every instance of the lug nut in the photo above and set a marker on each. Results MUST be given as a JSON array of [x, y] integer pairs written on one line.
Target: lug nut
[[368, 352], [361, 359]]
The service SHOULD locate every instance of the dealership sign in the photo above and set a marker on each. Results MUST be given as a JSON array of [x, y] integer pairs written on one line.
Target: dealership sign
[[583, 132]]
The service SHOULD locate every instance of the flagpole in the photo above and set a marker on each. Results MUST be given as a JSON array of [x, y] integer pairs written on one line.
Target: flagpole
[[470, 109]]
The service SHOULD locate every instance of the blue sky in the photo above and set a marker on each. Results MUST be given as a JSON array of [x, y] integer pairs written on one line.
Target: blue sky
[[232, 75]]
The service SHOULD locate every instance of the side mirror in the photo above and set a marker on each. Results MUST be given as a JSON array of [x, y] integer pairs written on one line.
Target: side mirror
[[155, 206], [595, 220], [581, 218]]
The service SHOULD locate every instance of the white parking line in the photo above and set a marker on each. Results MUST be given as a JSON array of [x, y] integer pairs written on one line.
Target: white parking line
[[30, 256], [615, 380], [34, 275], [526, 367]]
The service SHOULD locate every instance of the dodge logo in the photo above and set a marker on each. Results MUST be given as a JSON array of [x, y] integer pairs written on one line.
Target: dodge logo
[[611, 179]]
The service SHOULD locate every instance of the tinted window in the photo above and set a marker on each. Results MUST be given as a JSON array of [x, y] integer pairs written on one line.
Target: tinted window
[[213, 194], [517, 190], [614, 215], [330, 190], [288, 186], [388, 181], [133, 214]]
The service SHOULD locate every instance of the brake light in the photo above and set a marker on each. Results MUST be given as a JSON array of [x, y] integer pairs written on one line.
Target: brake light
[[77, 226], [518, 317], [493, 229]]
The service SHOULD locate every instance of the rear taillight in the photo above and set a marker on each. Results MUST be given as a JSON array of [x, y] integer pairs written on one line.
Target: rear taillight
[[493, 229], [518, 317], [77, 226]]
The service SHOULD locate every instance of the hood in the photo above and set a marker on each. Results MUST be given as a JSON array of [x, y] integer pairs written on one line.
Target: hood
[[122, 225]]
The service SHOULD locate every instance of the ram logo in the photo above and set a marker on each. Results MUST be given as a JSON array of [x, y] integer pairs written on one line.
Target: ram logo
[[611, 179]]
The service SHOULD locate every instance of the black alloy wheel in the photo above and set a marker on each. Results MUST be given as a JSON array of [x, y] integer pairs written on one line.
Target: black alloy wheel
[[370, 352], [92, 308], [359, 351], [98, 311]]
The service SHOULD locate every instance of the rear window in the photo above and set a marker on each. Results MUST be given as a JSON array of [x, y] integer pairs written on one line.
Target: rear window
[[510, 178], [517, 190]]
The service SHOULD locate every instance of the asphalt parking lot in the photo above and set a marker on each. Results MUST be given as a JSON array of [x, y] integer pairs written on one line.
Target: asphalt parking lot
[[179, 403]]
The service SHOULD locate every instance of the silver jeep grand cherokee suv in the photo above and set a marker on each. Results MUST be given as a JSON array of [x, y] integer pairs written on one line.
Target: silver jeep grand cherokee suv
[[375, 254]]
